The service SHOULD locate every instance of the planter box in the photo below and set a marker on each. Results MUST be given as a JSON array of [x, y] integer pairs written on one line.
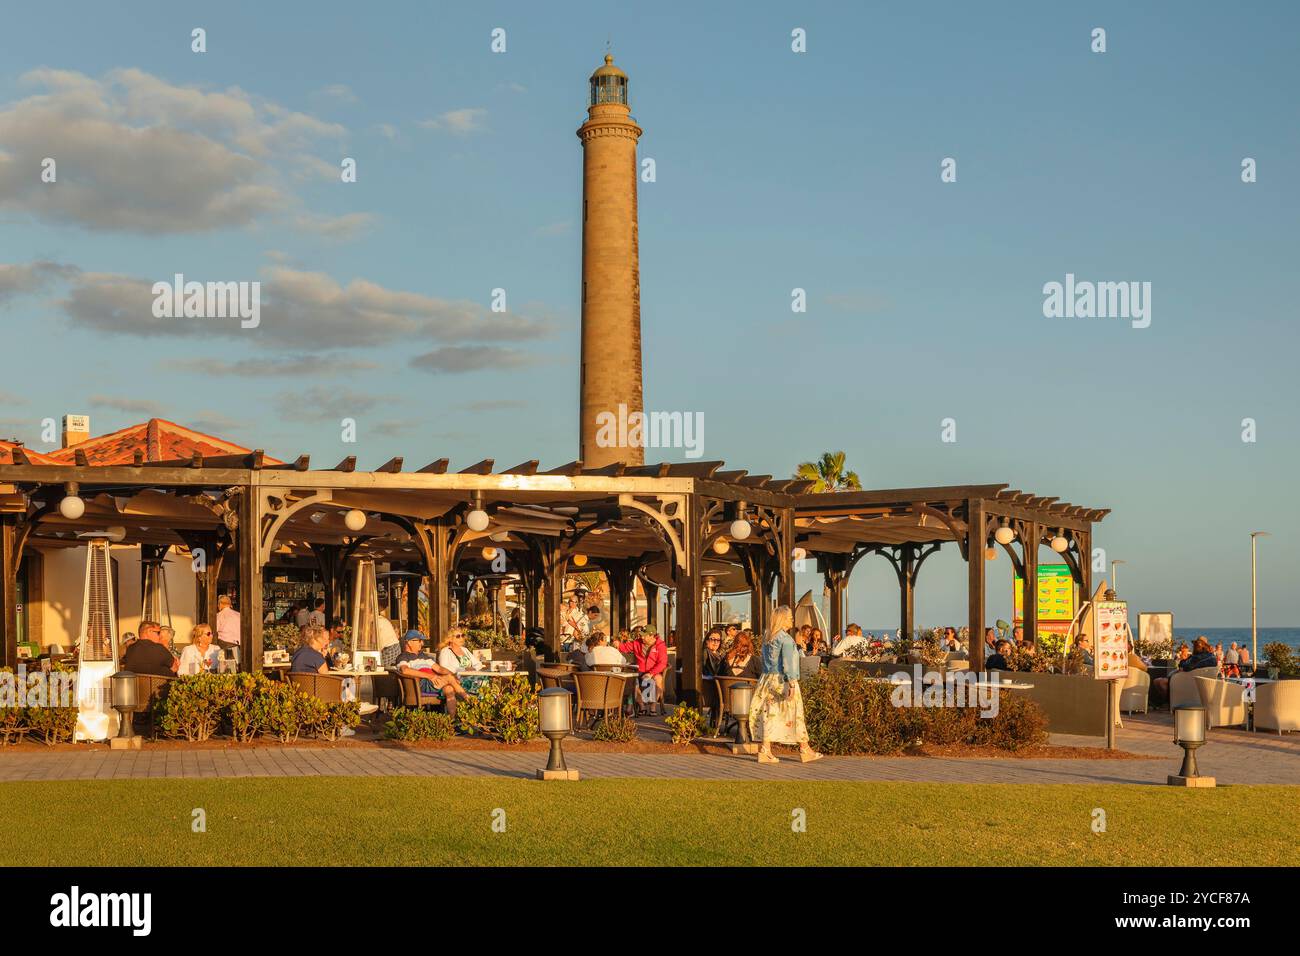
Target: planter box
[[1073, 703]]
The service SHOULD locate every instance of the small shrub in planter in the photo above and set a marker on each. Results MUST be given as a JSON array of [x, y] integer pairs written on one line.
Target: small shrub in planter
[[414, 723], [1019, 723], [847, 713], [278, 711], [194, 706], [12, 726], [242, 712], [505, 710], [1281, 658], [326, 721], [685, 723], [616, 729], [948, 725]]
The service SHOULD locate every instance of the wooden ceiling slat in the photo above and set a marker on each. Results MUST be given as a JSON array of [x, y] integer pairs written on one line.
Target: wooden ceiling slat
[[438, 467], [755, 481], [302, 463], [483, 467], [79, 456], [730, 477], [612, 470], [572, 468], [392, 466], [693, 469], [348, 464], [528, 467], [659, 470]]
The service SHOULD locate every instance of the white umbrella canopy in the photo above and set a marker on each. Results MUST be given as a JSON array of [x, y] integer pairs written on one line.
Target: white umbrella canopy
[[807, 612]]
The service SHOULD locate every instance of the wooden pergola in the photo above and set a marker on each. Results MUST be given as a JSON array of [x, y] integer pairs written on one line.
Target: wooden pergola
[[656, 523]]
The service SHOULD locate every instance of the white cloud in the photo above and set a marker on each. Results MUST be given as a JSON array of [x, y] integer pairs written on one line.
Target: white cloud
[[24, 279], [136, 153], [461, 122], [454, 359]]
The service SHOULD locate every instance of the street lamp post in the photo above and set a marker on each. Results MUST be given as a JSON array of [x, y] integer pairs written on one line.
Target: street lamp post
[[1254, 630], [1114, 584]]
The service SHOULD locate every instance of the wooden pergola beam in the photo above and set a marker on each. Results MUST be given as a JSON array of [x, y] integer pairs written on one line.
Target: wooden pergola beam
[[528, 467], [483, 467], [392, 466], [347, 465], [438, 467]]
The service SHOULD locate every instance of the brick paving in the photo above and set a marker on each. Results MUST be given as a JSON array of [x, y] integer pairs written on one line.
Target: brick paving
[[1234, 756]]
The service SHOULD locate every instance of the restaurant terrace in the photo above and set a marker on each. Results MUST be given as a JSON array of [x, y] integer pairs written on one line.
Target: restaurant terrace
[[695, 528]]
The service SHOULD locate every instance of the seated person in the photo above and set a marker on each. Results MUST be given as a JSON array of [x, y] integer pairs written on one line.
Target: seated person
[[651, 661], [310, 657], [200, 655], [599, 651], [1084, 644], [713, 661], [148, 655], [415, 661], [997, 661], [852, 640], [741, 661], [1202, 656]]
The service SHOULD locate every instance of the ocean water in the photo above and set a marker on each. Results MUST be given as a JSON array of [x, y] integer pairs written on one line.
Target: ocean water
[[1226, 635]]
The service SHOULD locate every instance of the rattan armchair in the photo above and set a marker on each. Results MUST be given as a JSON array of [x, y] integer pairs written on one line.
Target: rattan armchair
[[149, 690], [328, 687], [599, 693], [410, 692]]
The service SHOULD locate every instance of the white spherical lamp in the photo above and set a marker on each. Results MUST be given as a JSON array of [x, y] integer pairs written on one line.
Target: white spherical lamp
[[72, 507], [489, 553], [740, 529], [721, 546], [798, 554], [1004, 535], [477, 520], [1059, 543], [579, 560], [115, 533], [355, 520]]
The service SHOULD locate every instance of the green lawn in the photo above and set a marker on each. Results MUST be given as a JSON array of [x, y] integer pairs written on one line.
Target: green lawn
[[410, 820]]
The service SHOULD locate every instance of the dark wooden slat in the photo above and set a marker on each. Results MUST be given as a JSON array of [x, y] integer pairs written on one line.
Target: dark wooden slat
[[392, 466], [755, 481], [799, 486], [730, 477], [253, 459], [138, 457], [438, 467], [196, 460], [79, 456], [693, 469], [523, 468], [348, 464], [483, 467], [648, 471], [20, 456], [572, 468], [613, 470], [302, 463], [780, 484]]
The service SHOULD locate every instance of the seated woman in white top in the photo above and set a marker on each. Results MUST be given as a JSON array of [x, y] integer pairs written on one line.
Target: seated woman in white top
[[200, 655], [599, 651], [454, 656]]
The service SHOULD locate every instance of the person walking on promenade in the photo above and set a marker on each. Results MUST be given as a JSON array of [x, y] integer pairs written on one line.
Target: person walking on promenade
[[776, 715]]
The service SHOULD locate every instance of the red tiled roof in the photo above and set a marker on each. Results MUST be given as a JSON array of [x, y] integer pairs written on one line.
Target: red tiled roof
[[7, 458], [159, 439]]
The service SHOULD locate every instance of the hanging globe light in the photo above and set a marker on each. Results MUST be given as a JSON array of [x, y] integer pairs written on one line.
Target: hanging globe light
[[1060, 543], [116, 533], [798, 554], [721, 546], [489, 553], [990, 553], [477, 520], [740, 529], [579, 560], [72, 507], [1005, 534], [355, 520]]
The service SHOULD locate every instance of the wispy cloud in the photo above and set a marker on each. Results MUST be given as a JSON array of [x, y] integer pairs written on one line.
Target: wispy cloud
[[454, 359], [130, 406], [321, 404], [460, 122], [288, 367]]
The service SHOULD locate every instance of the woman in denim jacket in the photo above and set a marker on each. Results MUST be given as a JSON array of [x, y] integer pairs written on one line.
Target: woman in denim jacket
[[776, 714]]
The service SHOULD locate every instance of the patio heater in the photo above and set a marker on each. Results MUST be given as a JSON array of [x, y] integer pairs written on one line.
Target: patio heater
[[155, 603], [1190, 724], [96, 644], [365, 612], [554, 718]]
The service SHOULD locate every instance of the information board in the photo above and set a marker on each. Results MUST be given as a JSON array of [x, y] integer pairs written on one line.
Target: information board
[[1055, 594], [1110, 656]]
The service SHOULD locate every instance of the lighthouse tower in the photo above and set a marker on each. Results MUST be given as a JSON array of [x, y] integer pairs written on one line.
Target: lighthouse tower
[[611, 277]]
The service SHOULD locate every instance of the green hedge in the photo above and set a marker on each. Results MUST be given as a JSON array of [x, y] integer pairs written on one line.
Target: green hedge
[[53, 725], [243, 706], [848, 713], [504, 709], [413, 723]]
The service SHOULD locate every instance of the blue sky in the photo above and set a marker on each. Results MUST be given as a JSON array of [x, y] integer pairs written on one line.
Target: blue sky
[[775, 170]]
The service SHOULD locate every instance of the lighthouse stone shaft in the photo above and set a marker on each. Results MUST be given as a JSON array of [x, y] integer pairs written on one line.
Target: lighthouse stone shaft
[[611, 278]]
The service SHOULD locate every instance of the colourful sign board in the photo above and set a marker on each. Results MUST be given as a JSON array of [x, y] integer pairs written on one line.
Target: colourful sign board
[[1055, 594], [1110, 656]]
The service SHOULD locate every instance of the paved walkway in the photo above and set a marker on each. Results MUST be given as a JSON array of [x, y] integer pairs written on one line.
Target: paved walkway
[[1232, 756]]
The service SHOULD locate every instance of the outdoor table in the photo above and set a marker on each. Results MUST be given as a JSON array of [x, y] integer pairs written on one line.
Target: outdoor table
[[1250, 704]]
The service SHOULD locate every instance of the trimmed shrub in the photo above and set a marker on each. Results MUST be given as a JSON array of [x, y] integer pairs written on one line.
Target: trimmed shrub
[[504, 710], [279, 711], [848, 713], [414, 723], [242, 713], [326, 721], [686, 723], [1019, 723], [616, 729], [194, 706]]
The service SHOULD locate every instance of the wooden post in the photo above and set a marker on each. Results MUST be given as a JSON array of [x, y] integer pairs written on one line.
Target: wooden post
[[250, 579], [976, 533], [1033, 534], [907, 589], [690, 598], [785, 545], [9, 561]]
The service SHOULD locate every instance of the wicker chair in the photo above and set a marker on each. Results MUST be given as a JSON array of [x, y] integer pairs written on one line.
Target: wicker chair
[[411, 694], [1224, 702], [149, 689], [1182, 687], [328, 687], [598, 693], [1277, 705], [1135, 691], [724, 685]]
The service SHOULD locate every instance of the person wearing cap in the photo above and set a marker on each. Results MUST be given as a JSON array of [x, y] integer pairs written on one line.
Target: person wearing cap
[[415, 661]]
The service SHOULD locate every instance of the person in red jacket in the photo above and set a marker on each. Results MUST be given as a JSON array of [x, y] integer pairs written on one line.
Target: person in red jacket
[[651, 661]]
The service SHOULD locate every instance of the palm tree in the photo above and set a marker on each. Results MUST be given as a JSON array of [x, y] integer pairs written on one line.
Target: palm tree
[[828, 474]]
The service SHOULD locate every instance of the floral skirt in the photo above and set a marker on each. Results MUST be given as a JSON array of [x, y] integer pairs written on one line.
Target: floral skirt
[[775, 718]]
